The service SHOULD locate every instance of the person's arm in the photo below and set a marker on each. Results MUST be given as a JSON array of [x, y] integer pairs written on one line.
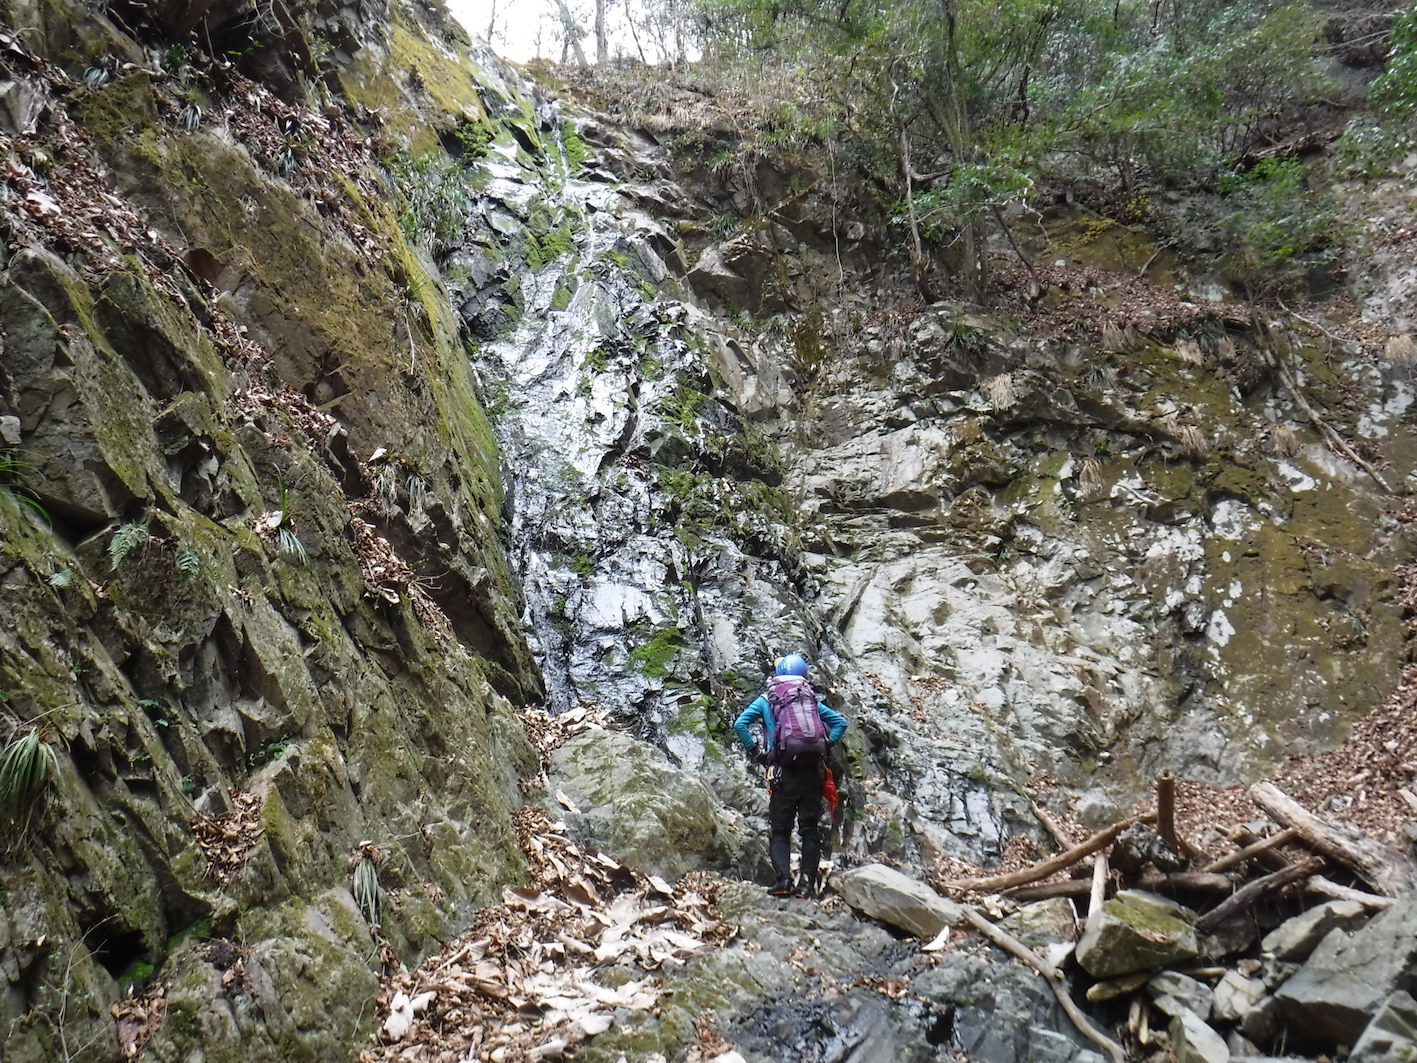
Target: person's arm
[[835, 721], [742, 726]]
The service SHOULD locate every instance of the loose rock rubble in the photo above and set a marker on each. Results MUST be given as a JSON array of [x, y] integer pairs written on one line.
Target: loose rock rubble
[[1274, 947]]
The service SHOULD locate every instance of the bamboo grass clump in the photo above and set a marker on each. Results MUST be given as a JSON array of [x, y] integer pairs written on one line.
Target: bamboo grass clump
[[29, 762]]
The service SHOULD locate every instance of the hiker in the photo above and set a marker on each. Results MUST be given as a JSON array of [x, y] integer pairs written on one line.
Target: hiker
[[799, 733]]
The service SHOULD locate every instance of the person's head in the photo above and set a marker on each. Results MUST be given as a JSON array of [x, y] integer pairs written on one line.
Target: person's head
[[792, 664]]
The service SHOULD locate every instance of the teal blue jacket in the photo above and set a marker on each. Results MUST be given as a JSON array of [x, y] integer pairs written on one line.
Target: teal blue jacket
[[759, 710]]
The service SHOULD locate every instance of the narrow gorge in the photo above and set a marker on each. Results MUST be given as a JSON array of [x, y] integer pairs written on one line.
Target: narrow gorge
[[412, 463]]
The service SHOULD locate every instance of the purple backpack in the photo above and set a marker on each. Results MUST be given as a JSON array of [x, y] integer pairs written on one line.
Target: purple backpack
[[800, 736]]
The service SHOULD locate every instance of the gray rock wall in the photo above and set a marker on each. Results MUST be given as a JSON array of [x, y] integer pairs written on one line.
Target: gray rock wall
[[256, 599]]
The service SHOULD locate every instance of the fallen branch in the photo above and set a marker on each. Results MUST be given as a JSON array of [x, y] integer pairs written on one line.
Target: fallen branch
[[1073, 887], [1196, 881], [1269, 858], [1050, 866], [1274, 841], [1312, 323], [1325, 887], [1054, 827], [1166, 809], [1330, 434], [1386, 870], [1098, 893], [1054, 977], [1252, 892]]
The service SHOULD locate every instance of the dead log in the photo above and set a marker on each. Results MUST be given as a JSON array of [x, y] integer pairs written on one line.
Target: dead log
[[1385, 869], [1054, 977], [1252, 892], [1196, 881], [1166, 818], [1054, 827], [1324, 887], [1098, 893], [1166, 809], [1274, 841], [1074, 887], [1051, 866]]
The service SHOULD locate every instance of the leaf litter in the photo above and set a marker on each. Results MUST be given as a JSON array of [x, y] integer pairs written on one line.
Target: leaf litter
[[551, 965]]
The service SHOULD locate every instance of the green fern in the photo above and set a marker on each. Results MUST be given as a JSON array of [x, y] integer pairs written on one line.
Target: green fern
[[125, 540], [189, 565], [368, 894], [28, 764], [62, 580]]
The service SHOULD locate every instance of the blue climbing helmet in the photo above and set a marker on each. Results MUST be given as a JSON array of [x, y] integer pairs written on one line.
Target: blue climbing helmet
[[792, 664]]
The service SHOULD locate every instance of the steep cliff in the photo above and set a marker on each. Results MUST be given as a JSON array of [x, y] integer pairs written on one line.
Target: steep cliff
[[257, 594]]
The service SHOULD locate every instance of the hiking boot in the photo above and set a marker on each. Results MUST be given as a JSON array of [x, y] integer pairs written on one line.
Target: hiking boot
[[781, 888], [806, 887]]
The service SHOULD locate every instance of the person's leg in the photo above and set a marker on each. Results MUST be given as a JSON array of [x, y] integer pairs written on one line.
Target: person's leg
[[782, 808], [809, 819]]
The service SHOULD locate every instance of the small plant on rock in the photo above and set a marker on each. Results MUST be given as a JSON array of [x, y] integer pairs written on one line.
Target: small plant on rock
[[189, 565], [13, 492], [29, 763], [364, 863], [125, 540]]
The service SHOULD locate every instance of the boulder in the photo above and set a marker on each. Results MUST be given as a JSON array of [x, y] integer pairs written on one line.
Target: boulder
[[1136, 931], [1192, 1041], [1236, 996], [1262, 1021], [884, 893], [645, 812], [1174, 993], [1044, 923], [1294, 939], [1350, 976], [1392, 1035]]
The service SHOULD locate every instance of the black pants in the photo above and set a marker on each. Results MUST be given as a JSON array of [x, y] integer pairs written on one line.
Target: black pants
[[796, 797]]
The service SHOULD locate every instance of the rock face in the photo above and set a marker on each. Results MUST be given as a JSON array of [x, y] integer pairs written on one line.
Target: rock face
[[257, 596], [1345, 982], [1135, 931], [1004, 552]]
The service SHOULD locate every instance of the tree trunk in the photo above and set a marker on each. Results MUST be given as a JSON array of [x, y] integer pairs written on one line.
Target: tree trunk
[[572, 33], [960, 134], [602, 45]]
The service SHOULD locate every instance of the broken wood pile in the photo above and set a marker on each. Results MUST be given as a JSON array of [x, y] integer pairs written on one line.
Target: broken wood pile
[[1171, 929]]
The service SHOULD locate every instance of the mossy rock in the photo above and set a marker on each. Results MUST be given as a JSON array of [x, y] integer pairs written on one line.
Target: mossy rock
[[649, 814]]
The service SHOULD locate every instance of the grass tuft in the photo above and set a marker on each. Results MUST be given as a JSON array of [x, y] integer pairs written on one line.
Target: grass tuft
[[29, 762]]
